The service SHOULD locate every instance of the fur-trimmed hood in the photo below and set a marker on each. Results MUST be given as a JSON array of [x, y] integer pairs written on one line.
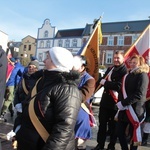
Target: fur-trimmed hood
[[140, 69]]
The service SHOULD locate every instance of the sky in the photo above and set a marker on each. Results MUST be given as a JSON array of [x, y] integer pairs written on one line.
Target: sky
[[20, 18]]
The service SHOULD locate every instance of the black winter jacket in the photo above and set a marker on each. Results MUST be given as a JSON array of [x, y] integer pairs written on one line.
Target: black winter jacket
[[107, 100], [136, 85], [30, 81], [56, 106]]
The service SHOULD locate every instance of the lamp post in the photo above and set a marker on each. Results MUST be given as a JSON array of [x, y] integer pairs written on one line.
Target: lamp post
[[103, 57]]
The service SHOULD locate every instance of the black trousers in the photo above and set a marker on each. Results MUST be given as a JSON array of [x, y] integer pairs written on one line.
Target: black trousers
[[120, 130], [106, 115]]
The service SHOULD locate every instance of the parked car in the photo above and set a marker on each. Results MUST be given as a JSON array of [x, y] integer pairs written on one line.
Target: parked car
[[97, 96]]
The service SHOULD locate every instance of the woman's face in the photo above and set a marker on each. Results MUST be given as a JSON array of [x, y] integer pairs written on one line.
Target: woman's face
[[48, 62], [134, 63]]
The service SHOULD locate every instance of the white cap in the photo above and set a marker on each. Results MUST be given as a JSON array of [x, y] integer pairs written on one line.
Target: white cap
[[62, 58]]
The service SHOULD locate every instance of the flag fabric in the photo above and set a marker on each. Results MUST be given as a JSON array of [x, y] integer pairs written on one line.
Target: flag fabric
[[148, 90], [140, 47], [91, 50], [8, 53], [10, 68]]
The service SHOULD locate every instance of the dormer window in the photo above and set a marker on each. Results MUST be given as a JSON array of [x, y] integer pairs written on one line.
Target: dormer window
[[127, 27]]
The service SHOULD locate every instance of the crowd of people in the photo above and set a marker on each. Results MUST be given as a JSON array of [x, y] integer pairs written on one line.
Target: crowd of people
[[53, 104]]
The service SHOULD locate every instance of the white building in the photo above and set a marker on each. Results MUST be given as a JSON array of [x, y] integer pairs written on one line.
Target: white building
[[3, 40], [48, 36]]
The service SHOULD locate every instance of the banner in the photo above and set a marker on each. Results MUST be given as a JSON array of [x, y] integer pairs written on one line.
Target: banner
[[91, 50], [140, 47]]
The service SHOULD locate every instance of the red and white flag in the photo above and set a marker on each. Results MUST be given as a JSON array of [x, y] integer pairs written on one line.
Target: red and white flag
[[140, 47]]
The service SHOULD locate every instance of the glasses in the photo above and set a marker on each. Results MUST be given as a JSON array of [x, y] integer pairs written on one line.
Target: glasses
[[31, 67]]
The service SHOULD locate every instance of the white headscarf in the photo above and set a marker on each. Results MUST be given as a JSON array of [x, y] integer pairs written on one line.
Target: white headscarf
[[62, 58]]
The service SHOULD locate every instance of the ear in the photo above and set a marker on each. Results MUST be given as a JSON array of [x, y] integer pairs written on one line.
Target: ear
[[82, 68]]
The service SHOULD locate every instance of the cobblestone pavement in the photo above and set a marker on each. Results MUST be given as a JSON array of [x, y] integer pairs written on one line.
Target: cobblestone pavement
[[7, 127]]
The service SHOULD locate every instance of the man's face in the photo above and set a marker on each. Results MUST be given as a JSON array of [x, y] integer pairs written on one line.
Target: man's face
[[32, 69], [118, 59]]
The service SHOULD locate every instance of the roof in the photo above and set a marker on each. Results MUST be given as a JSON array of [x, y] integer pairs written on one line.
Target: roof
[[87, 30], [29, 36], [16, 44], [69, 33], [109, 27], [125, 26]]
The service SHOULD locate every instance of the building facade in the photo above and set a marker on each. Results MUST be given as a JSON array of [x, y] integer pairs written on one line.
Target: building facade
[[116, 36], [3, 40], [119, 36], [27, 49]]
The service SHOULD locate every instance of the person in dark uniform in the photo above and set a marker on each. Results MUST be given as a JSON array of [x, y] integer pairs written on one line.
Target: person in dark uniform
[[112, 84], [3, 70]]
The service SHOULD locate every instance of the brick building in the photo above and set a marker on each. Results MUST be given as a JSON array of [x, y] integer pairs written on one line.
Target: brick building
[[116, 36]]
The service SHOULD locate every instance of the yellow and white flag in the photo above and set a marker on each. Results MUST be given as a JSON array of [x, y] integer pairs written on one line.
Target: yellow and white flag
[[91, 50]]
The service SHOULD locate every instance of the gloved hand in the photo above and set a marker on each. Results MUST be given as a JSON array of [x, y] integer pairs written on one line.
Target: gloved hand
[[120, 106], [102, 82], [18, 107], [10, 135]]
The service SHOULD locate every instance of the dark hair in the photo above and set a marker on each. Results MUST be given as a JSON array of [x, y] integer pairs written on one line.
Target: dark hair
[[119, 52], [84, 60]]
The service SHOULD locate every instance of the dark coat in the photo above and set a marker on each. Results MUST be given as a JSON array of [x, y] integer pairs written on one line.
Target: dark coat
[[3, 70], [59, 102], [136, 85], [147, 106], [30, 81], [107, 100]]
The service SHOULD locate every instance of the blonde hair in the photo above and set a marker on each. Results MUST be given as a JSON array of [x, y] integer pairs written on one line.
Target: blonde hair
[[143, 67]]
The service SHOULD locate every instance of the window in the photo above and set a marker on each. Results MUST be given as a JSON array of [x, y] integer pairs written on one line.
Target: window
[[46, 33], [25, 47], [60, 43], [110, 41], [67, 43], [109, 56], [47, 44], [42, 44], [74, 43], [134, 38], [29, 48], [121, 40], [40, 57]]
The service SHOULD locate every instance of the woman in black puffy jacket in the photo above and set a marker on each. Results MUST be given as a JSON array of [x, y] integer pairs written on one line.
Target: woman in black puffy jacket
[[56, 106]]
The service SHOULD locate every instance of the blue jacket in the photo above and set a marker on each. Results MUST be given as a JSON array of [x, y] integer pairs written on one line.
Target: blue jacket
[[15, 75]]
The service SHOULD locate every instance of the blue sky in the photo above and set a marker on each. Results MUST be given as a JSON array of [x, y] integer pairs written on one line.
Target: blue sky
[[20, 18]]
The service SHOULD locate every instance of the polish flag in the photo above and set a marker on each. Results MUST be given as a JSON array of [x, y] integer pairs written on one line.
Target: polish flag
[[140, 47]]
